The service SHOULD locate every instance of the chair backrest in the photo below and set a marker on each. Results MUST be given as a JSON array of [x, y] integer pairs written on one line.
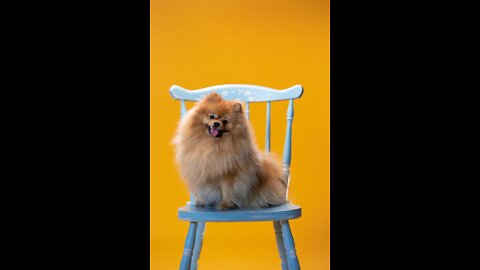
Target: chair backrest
[[248, 93]]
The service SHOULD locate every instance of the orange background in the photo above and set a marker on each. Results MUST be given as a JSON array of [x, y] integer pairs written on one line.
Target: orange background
[[277, 44]]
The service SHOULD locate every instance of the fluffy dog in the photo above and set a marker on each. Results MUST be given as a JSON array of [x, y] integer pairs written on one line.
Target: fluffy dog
[[219, 160]]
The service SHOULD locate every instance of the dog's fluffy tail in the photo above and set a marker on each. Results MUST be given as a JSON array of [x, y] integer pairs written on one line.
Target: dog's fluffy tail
[[274, 184], [273, 166]]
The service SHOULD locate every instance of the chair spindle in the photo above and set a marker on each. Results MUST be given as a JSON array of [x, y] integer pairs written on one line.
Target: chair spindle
[[183, 108], [287, 149]]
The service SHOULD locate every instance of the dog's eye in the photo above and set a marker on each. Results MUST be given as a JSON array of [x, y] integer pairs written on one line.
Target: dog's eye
[[211, 116], [224, 122]]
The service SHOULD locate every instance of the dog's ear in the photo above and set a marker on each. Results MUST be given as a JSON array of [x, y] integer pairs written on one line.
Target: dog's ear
[[213, 97], [237, 107]]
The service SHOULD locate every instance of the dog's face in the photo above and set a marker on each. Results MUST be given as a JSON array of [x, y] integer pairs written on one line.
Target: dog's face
[[219, 117]]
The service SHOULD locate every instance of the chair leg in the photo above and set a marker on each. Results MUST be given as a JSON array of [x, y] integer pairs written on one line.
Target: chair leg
[[198, 245], [281, 247], [187, 252], [292, 259]]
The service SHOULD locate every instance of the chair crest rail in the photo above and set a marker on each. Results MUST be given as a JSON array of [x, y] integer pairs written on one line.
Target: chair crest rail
[[242, 92]]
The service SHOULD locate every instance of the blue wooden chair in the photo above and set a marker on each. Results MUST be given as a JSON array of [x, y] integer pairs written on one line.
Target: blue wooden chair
[[280, 215]]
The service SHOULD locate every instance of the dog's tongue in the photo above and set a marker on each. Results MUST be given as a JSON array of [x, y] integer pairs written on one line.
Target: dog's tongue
[[214, 131]]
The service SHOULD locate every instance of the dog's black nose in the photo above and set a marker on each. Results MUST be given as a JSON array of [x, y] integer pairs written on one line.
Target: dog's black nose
[[216, 124]]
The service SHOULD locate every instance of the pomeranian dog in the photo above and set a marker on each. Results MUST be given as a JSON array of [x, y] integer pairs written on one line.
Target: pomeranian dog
[[219, 160]]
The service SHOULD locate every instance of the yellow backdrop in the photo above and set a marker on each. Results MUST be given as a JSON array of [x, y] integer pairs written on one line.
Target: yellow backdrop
[[273, 43]]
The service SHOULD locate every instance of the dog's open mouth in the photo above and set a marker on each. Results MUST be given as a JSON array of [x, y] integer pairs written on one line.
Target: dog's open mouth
[[215, 132]]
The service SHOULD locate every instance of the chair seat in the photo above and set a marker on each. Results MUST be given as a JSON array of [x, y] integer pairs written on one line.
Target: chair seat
[[200, 214]]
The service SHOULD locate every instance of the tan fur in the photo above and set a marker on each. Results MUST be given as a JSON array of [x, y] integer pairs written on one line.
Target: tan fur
[[227, 171]]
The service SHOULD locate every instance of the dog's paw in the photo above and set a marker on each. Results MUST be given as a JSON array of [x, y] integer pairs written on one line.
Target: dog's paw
[[225, 205], [199, 203]]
